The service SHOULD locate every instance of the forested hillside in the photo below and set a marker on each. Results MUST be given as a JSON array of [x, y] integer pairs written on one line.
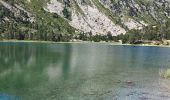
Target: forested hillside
[[31, 21], [88, 20]]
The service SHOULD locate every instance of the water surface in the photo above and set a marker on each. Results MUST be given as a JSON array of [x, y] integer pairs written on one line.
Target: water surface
[[44, 71]]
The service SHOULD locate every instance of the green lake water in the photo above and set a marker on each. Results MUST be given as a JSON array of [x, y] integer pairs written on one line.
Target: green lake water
[[44, 71]]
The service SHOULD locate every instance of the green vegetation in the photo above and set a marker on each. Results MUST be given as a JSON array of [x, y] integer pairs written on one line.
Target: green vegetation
[[148, 34], [77, 8], [66, 13], [47, 26], [166, 74]]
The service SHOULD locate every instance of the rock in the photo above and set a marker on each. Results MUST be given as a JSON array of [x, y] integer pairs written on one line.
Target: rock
[[126, 83], [129, 83]]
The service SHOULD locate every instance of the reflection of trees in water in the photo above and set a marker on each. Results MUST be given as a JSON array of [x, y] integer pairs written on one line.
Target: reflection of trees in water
[[10, 54], [22, 64], [23, 67], [66, 61]]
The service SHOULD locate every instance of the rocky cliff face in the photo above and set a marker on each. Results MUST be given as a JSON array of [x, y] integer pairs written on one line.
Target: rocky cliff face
[[114, 16], [156, 10], [18, 11], [94, 16]]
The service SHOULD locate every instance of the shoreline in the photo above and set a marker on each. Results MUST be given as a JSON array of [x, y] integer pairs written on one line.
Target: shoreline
[[85, 42]]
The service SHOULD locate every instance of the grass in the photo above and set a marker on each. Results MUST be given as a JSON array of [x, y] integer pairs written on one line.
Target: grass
[[46, 18], [77, 8], [166, 74]]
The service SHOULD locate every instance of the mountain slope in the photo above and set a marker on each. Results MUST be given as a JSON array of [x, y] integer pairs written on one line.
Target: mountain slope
[[53, 19], [43, 26], [100, 16]]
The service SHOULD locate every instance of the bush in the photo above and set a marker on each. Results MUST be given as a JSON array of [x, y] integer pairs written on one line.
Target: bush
[[166, 74], [66, 13]]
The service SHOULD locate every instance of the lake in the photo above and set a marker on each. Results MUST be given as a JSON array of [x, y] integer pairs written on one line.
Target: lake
[[77, 71]]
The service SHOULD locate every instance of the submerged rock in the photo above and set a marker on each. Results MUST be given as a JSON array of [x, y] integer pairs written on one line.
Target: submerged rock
[[129, 83]]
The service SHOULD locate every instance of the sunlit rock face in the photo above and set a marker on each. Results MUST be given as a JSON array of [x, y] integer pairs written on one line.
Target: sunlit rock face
[[96, 15], [91, 19], [55, 7], [96, 22]]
